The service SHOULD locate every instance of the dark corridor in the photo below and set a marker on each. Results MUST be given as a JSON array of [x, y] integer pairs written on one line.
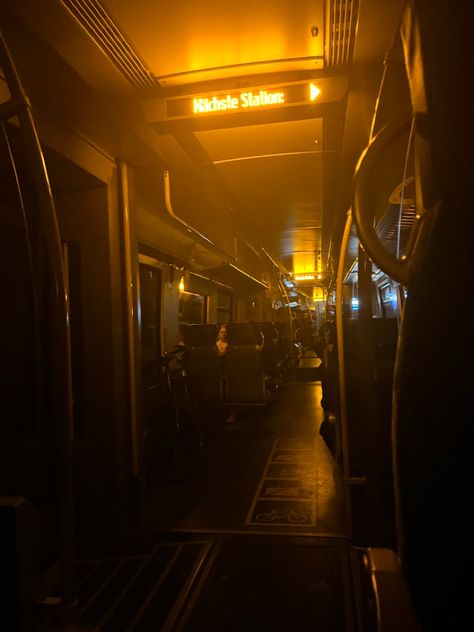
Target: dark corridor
[[256, 540]]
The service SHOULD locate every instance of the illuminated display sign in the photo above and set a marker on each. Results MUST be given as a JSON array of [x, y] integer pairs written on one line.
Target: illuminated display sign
[[242, 101], [319, 294]]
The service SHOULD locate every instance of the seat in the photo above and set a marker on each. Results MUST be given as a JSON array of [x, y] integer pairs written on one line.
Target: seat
[[203, 365], [247, 380]]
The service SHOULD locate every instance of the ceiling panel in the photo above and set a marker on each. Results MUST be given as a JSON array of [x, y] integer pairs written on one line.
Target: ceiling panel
[[273, 169], [275, 173], [257, 141], [213, 34]]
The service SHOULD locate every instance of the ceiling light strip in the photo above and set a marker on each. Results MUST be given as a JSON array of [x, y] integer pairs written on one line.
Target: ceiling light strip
[[263, 156], [267, 63]]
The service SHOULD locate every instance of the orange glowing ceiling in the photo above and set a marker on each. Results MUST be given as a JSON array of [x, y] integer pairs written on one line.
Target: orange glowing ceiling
[[275, 171], [206, 40], [271, 165], [285, 172]]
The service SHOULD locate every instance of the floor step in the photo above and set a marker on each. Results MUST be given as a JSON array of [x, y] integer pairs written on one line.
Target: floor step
[[272, 583], [136, 593]]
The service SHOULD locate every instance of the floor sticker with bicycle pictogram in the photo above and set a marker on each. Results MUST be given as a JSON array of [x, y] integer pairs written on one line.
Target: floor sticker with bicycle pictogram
[[285, 489], [290, 471], [283, 513], [286, 494]]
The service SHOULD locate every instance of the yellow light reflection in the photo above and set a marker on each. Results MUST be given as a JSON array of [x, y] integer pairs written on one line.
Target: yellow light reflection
[[314, 92], [304, 277], [181, 284], [319, 294], [304, 263]]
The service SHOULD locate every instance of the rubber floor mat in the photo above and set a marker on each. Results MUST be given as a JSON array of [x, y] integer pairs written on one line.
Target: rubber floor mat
[[262, 583]]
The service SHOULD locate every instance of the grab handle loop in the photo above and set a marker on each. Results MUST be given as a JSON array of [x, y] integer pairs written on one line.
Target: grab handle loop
[[364, 209]]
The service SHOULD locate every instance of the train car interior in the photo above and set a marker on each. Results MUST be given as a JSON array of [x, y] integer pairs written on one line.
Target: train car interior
[[236, 341]]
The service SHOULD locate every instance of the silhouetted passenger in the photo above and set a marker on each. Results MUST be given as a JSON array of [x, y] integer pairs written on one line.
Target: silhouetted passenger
[[270, 350], [329, 384], [284, 347], [307, 331], [222, 345]]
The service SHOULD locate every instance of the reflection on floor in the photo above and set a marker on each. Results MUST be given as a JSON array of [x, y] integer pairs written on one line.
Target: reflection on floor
[[256, 541], [269, 471]]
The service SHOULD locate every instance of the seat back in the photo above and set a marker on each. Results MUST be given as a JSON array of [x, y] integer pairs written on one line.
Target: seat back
[[199, 335], [203, 365], [244, 365]]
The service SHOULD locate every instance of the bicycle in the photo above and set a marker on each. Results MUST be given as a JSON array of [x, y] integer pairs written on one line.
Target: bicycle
[[174, 437]]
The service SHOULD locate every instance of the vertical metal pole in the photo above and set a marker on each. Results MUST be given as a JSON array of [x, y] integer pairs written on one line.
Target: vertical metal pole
[[371, 431], [344, 442], [130, 307], [287, 298]]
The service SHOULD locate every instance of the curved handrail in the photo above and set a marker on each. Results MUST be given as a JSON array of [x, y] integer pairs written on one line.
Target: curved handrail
[[190, 229], [19, 105], [364, 208]]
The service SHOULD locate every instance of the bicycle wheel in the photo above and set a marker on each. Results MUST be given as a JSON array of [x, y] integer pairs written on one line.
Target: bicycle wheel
[[185, 455], [173, 443], [296, 518], [267, 516]]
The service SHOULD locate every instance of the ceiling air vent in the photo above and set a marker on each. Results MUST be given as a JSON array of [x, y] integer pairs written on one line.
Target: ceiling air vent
[[98, 24], [341, 24]]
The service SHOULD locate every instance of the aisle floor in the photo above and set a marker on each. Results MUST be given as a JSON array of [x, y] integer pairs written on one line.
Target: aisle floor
[[268, 471], [257, 540]]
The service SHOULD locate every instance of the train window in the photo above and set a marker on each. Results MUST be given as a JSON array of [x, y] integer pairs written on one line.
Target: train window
[[252, 308], [192, 309], [224, 307], [388, 297], [150, 316]]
